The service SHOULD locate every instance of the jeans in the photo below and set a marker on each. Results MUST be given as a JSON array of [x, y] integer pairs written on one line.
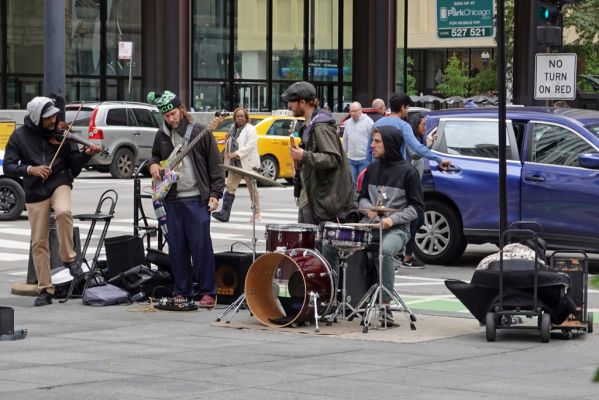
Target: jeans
[[394, 240], [414, 225], [356, 167]]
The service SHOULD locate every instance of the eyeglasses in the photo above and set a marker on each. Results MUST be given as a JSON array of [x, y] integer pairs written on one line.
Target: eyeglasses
[[353, 111]]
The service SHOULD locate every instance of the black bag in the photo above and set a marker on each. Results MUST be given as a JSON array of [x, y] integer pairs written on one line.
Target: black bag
[[105, 295], [141, 279]]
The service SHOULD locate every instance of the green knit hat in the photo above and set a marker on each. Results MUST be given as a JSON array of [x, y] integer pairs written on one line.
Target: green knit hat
[[165, 101]]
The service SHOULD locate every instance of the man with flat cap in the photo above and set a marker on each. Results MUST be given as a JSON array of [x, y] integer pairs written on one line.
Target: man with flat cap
[[324, 186], [188, 204], [29, 152]]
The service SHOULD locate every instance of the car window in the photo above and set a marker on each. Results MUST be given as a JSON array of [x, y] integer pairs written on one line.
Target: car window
[[594, 129], [473, 138], [117, 116], [144, 118], [280, 127], [556, 145], [83, 117], [158, 118]]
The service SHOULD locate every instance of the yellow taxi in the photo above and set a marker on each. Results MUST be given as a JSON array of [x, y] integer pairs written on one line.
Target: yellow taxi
[[273, 142]]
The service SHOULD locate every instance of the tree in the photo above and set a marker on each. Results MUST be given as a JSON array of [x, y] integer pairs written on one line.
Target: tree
[[455, 82], [411, 89], [486, 80]]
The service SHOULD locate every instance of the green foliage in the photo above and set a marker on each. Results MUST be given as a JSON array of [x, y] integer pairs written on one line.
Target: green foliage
[[485, 81], [296, 65], [411, 90], [455, 82]]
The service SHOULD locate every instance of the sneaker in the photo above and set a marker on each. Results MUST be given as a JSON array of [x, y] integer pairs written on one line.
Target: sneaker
[[207, 301], [413, 263], [389, 316], [74, 268], [43, 299]]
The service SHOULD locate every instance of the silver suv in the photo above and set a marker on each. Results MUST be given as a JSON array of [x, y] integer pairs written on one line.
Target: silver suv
[[125, 129]]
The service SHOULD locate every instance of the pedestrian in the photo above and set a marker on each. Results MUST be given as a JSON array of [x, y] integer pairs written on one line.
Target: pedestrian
[[323, 185], [48, 168], [190, 200], [355, 139], [241, 150], [392, 182], [379, 106]]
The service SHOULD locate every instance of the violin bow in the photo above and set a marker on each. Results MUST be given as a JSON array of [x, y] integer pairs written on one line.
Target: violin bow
[[64, 138]]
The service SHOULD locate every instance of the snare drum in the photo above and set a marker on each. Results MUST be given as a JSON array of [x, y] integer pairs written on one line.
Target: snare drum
[[278, 287], [283, 237], [346, 237]]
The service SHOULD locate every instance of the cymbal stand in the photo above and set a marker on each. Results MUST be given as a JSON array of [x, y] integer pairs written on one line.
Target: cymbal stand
[[373, 299], [236, 305]]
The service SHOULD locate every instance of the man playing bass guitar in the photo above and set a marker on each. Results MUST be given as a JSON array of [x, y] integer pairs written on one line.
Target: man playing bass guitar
[[189, 200]]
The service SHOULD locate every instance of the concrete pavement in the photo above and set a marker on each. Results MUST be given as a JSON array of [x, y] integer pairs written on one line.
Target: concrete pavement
[[123, 352]]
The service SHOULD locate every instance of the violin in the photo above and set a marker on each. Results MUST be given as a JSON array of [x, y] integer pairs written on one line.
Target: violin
[[64, 133]]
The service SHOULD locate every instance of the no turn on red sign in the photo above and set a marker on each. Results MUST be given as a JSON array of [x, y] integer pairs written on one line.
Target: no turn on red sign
[[555, 76]]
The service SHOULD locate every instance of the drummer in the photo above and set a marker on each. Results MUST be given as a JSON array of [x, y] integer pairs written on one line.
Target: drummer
[[324, 184], [391, 182], [241, 150]]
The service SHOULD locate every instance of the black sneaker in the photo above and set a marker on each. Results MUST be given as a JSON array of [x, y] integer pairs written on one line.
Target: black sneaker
[[43, 299], [413, 263], [74, 268]]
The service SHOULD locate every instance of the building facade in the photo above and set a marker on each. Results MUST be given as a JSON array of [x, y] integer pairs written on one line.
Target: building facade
[[219, 54]]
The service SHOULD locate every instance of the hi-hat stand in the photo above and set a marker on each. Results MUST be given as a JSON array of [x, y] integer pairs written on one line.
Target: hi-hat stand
[[372, 302], [236, 305]]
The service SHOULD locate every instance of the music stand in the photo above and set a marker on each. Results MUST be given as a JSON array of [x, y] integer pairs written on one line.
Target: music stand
[[373, 299], [254, 178]]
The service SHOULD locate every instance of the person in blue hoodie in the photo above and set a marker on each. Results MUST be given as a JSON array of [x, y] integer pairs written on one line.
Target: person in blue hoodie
[[392, 182]]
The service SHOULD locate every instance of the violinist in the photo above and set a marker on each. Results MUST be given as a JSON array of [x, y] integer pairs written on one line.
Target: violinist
[[48, 168]]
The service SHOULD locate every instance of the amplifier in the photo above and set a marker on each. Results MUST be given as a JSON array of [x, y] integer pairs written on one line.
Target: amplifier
[[231, 269]]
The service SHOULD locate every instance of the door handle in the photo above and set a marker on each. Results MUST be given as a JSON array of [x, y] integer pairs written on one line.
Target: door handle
[[276, 142], [534, 178], [137, 133]]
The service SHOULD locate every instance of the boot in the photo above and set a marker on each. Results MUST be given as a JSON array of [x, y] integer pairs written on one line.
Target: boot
[[225, 212]]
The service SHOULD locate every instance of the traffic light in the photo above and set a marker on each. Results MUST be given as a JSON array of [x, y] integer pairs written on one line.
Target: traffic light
[[549, 24]]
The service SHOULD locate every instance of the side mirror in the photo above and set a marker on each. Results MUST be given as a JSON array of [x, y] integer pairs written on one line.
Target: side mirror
[[589, 160]]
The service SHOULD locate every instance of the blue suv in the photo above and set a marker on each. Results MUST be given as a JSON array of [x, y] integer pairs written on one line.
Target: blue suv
[[552, 179]]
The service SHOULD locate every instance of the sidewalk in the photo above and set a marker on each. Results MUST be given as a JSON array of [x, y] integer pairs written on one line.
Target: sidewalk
[[121, 352]]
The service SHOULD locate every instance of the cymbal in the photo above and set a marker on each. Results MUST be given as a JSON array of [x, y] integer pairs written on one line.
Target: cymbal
[[364, 224], [252, 174], [379, 209]]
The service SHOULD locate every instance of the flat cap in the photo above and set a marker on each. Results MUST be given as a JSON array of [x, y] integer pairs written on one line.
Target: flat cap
[[299, 91]]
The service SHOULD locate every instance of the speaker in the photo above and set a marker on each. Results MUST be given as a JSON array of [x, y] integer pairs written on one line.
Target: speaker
[[231, 269], [361, 275]]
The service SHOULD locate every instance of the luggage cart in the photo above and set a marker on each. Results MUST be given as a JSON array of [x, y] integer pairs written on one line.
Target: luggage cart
[[575, 264]]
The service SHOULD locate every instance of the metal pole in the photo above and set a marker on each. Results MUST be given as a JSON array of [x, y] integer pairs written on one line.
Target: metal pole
[[502, 117], [54, 47]]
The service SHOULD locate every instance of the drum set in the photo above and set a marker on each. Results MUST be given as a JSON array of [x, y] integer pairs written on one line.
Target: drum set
[[294, 284]]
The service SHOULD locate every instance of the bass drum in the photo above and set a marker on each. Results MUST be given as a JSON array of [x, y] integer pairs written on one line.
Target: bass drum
[[278, 287]]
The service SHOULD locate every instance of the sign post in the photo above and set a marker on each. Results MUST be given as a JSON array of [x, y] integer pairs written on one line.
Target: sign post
[[458, 19], [555, 76], [126, 53]]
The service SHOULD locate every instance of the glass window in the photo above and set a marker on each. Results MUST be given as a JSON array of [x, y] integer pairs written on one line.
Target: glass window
[[280, 127], [83, 118], [593, 129], [250, 40], [348, 29], [20, 91], [82, 44], [123, 25], [473, 138], [117, 116], [210, 96], [210, 39], [323, 58], [252, 96], [144, 118], [287, 41], [25, 39], [557, 145], [81, 89]]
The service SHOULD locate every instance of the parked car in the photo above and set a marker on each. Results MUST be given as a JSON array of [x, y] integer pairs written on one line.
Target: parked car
[[371, 111], [125, 129], [12, 195], [273, 142], [552, 179]]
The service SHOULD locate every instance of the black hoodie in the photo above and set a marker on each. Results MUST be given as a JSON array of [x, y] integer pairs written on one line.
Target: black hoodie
[[392, 182]]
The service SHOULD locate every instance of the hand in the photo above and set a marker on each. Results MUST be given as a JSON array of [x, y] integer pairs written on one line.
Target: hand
[[155, 172], [431, 139], [296, 153], [444, 164], [387, 223], [212, 204], [43, 171], [372, 215], [92, 149]]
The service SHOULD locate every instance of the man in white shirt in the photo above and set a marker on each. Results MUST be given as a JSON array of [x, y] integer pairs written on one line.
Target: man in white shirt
[[356, 138]]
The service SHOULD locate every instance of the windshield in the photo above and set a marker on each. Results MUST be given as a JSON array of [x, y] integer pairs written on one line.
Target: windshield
[[594, 129]]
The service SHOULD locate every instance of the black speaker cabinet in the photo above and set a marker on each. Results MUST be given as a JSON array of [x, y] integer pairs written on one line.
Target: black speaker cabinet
[[231, 269], [361, 275], [577, 271]]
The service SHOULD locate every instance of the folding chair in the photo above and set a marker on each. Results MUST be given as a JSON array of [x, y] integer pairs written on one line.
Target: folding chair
[[104, 213]]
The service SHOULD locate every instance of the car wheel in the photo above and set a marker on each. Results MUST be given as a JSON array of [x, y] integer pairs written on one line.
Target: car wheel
[[269, 167], [441, 239], [12, 199], [123, 164]]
